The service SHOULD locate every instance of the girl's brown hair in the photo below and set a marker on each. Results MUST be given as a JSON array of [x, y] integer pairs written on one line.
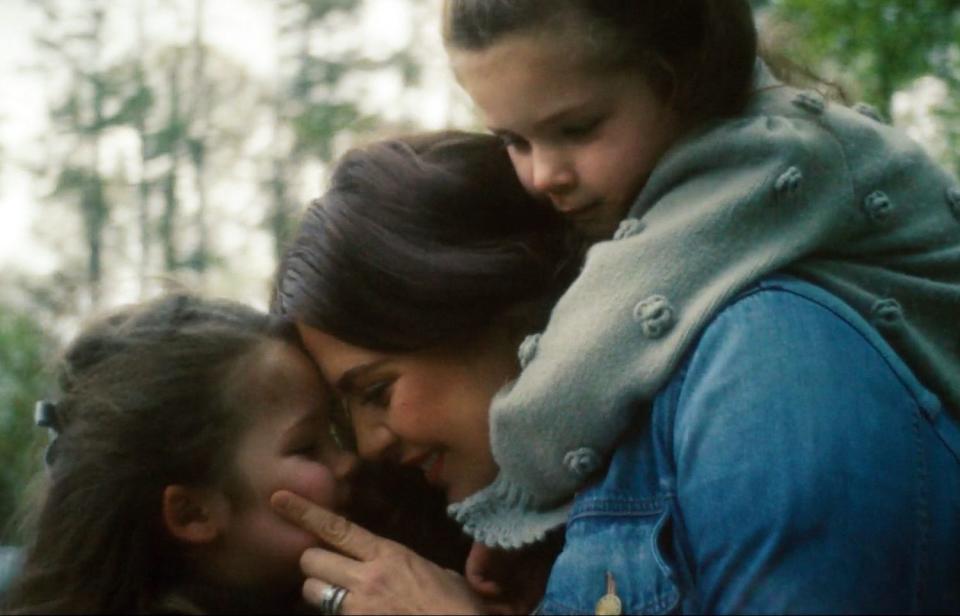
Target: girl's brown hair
[[699, 54], [145, 402]]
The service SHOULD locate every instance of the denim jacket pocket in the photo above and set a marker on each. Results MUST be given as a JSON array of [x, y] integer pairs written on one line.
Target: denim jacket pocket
[[618, 537]]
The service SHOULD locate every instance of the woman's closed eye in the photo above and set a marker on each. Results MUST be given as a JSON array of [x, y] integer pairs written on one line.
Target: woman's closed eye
[[377, 394]]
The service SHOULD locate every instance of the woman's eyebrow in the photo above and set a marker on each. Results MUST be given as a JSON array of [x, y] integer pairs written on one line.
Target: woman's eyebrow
[[347, 381]]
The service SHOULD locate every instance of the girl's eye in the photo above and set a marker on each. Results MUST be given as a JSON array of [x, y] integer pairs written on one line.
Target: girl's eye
[[512, 140], [581, 129]]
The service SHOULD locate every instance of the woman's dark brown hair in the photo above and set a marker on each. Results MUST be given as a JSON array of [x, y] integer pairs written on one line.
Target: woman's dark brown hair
[[699, 54], [145, 402], [421, 240]]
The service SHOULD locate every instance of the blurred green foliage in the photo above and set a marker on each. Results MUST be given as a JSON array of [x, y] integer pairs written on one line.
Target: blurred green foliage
[[876, 48], [24, 379], [885, 44]]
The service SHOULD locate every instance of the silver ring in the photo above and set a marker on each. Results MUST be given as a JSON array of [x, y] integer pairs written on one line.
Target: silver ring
[[331, 600]]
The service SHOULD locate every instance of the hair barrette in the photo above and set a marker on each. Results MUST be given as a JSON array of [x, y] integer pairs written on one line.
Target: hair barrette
[[45, 415]]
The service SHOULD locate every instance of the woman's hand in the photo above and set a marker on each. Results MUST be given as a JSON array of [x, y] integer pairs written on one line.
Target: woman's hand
[[382, 576]]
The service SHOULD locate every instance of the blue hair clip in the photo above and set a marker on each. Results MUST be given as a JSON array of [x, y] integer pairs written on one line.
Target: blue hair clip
[[45, 415]]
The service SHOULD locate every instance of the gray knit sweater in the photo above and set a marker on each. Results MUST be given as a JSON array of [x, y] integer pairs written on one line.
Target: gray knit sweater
[[794, 184]]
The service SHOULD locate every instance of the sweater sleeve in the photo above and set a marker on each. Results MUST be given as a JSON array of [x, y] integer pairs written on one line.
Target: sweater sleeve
[[721, 210]]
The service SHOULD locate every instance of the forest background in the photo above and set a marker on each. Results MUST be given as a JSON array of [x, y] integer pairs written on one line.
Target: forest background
[[149, 145]]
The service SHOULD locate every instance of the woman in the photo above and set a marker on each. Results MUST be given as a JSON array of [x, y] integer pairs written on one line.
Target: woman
[[429, 249], [761, 480]]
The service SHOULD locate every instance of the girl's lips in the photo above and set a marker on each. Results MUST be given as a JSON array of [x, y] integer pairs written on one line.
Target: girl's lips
[[579, 211]]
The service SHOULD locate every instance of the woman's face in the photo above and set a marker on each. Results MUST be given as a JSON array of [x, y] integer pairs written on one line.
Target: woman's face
[[586, 137], [427, 409]]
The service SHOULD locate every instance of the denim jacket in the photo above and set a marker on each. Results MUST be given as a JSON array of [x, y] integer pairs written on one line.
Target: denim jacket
[[792, 464]]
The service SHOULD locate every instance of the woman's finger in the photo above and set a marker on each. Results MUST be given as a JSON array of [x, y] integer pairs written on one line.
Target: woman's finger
[[328, 566], [334, 530]]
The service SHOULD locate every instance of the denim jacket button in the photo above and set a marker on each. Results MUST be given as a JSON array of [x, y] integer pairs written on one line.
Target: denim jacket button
[[609, 604]]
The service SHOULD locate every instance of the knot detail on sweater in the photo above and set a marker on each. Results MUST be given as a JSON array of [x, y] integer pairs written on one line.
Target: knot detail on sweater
[[868, 110], [878, 207], [953, 200], [528, 349], [582, 462], [810, 101], [655, 315], [628, 228], [788, 183], [886, 313]]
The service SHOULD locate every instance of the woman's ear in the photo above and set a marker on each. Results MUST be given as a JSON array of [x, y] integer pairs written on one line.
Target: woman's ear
[[194, 515]]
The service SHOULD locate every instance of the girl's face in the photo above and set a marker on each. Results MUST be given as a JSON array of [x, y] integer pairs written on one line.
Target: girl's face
[[586, 137], [427, 409], [287, 445]]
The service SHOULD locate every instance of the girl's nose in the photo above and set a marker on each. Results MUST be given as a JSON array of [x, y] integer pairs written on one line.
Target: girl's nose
[[552, 173]]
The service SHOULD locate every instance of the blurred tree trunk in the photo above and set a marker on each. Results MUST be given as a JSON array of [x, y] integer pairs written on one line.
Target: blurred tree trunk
[[139, 121], [169, 142], [312, 113], [93, 201], [82, 116], [198, 122]]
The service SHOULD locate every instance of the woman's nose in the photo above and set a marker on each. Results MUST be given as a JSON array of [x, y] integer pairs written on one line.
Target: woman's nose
[[375, 440]]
